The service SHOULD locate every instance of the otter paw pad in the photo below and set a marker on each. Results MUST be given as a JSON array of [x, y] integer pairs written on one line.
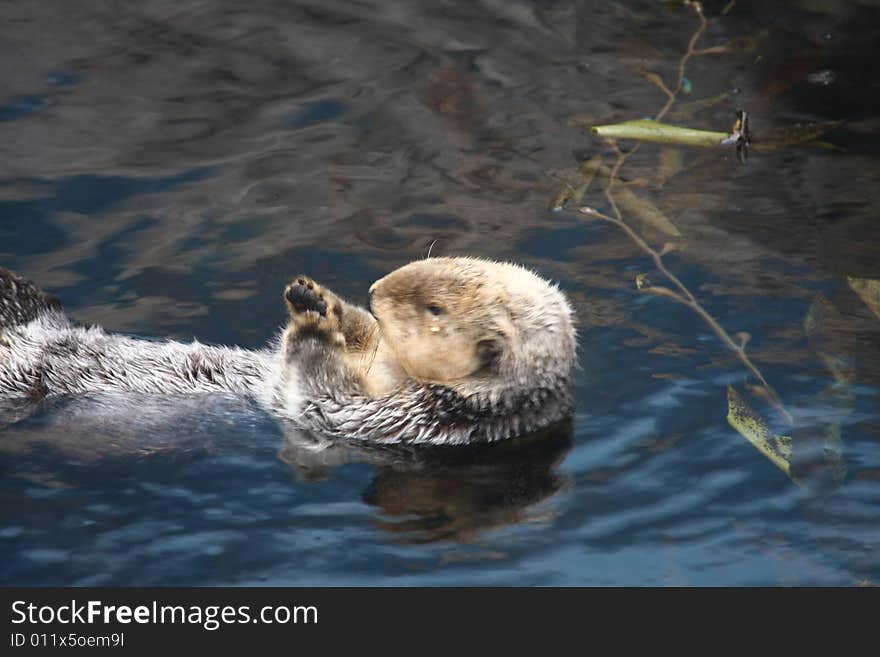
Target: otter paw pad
[[304, 295]]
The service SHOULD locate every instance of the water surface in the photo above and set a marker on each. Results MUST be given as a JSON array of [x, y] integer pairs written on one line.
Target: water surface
[[166, 167]]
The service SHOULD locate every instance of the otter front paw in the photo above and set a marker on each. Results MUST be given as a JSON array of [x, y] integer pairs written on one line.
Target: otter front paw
[[315, 312], [312, 325], [305, 295]]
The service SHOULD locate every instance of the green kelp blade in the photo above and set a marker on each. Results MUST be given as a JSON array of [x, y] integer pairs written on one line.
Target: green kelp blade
[[751, 427], [639, 206], [661, 133], [821, 323], [646, 211], [670, 162], [792, 135], [576, 182], [868, 290], [824, 326], [765, 140]]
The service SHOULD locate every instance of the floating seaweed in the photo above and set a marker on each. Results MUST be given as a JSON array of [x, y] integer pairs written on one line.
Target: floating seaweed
[[750, 426], [626, 206], [663, 133]]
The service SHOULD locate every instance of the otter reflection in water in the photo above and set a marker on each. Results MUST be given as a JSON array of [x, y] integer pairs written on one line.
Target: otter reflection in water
[[453, 351], [498, 485], [428, 493]]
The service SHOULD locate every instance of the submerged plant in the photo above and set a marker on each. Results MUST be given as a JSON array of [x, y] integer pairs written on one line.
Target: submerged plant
[[625, 202]]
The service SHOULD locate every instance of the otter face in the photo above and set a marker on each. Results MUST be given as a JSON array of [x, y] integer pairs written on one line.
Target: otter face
[[443, 318]]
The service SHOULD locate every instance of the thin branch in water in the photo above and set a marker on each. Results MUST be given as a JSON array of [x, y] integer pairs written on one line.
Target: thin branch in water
[[680, 294], [685, 298], [657, 81]]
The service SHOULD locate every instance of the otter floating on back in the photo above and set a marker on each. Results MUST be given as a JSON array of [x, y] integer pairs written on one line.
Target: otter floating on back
[[453, 350]]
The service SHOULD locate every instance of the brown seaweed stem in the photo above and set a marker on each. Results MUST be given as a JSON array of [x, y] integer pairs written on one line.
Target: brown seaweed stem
[[681, 293], [685, 298], [671, 97]]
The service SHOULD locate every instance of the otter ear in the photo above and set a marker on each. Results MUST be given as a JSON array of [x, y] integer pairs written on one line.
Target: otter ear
[[488, 352]]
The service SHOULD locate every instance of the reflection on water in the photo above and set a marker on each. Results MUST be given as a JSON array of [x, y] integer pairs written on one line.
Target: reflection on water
[[165, 169], [492, 488], [440, 494]]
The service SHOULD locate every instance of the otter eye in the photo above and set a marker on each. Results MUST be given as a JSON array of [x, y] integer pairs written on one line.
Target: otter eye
[[435, 309]]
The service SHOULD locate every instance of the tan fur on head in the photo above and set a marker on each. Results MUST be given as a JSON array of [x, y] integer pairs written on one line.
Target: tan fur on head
[[455, 320]]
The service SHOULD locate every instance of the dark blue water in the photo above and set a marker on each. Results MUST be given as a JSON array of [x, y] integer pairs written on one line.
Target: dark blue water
[[165, 170]]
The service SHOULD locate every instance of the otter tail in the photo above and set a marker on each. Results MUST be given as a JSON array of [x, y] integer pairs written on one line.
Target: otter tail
[[21, 301]]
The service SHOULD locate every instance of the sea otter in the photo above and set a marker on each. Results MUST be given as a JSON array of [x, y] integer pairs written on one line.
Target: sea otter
[[450, 351]]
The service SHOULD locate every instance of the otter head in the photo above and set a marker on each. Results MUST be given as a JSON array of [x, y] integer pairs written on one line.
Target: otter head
[[475, 325]]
